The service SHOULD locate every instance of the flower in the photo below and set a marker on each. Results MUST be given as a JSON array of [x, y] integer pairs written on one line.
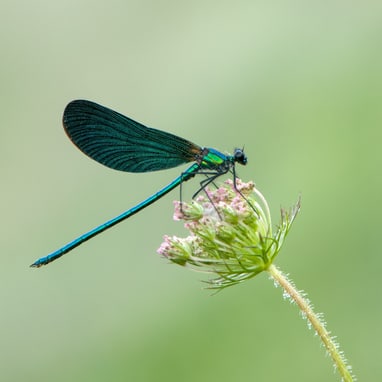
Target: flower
[[231, 234]]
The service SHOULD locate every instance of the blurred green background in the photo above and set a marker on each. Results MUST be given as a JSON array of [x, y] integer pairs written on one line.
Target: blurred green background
[[298, 83]]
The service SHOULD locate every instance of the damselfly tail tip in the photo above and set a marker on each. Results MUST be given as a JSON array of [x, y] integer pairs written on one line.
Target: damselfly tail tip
[[36, 264]]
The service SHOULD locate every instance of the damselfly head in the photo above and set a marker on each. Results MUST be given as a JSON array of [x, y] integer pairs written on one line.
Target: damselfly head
[[239, 156]]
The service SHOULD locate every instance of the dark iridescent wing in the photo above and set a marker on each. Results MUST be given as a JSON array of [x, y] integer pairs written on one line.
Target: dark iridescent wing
[[120, 143]]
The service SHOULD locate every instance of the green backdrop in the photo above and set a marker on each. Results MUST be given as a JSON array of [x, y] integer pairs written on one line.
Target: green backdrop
[[297, 83]]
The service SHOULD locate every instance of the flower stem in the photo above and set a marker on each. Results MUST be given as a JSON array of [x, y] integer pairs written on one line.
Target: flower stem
[[314, 319]]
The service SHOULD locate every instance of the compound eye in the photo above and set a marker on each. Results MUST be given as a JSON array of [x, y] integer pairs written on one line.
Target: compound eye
[[239, 156]]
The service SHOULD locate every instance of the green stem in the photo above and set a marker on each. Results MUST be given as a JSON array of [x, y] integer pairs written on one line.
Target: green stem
[[318, 325]]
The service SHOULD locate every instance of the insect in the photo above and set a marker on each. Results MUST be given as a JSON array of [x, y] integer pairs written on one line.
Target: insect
[[122, 144]]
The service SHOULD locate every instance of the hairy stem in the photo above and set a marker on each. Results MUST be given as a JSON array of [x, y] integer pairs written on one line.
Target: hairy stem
[[317, 323]]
